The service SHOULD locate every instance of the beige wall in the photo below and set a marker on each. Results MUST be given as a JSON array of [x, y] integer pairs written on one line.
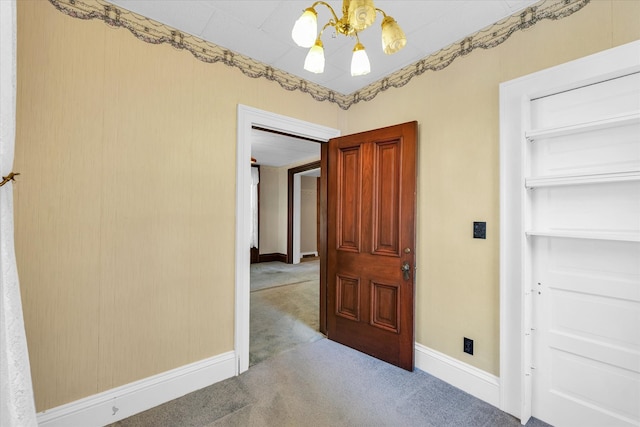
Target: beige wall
[[270, 211], [457, 290], [283, 208], [125, 217], [125, 206], [274, 208]]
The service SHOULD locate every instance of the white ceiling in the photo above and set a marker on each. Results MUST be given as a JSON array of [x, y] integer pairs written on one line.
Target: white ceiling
[[275, 150], [261, 29]]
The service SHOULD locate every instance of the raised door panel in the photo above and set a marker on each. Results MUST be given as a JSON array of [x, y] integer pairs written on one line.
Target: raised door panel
[[387, 170], [348, 297], [349, 199], [385, 306]]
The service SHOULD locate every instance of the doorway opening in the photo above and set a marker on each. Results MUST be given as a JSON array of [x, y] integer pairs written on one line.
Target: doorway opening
[[249, 118], [285, 292], [303, 182], [284, 307]]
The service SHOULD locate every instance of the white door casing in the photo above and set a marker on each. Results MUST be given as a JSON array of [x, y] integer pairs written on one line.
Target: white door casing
[[298, 203], [248, 117], [296, 217], [516, 267]]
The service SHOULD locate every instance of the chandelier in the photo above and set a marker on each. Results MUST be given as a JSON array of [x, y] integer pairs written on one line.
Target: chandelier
[[357, 15]]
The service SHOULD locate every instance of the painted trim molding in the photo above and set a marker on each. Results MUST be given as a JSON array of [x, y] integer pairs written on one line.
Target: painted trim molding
[[153, 32], [470, 379], [130, 399]]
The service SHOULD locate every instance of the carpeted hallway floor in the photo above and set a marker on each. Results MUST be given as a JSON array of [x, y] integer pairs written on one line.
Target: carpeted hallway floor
[[284, 308], [273, 274]]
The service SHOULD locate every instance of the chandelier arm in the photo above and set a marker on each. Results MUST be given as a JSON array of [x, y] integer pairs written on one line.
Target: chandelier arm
[[384, 15], [331, 23], [328, 6]]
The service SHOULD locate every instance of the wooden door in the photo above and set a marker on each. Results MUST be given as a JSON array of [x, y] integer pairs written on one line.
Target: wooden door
[[371, 235]]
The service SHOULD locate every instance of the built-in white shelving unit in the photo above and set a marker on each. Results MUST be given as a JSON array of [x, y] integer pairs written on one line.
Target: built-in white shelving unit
[[533, 182], [616, 236], [602, 178], [610, 122]]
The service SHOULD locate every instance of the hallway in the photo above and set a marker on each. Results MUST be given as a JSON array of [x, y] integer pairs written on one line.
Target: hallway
[[284, 308]]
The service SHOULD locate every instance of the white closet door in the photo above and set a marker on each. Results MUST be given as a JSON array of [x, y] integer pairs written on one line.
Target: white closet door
[[583, 198]]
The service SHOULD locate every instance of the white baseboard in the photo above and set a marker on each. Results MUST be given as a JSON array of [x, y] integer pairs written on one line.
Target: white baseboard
[[122, 402], [467, 378]]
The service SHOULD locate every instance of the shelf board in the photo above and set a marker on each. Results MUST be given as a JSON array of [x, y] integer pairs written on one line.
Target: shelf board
[[616, 236], [610, 122], [563, 180]]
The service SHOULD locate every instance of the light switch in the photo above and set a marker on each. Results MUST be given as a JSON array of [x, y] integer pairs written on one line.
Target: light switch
[[479, 230]]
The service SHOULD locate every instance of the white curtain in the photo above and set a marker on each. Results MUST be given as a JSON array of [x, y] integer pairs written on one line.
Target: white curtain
[[17, 407], [255, 180]]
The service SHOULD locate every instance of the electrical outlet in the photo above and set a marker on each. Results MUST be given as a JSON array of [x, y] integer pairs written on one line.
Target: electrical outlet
[[479, 230], [468, 346]]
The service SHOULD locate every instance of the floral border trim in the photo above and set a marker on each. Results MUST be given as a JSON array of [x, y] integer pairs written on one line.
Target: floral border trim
[[153, 32], [486, 38]]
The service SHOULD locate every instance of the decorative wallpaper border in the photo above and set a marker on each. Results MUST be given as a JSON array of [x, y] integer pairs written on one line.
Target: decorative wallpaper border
[[155, 33]]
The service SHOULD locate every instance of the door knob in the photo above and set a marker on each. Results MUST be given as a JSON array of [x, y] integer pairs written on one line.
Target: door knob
[[405, 270]]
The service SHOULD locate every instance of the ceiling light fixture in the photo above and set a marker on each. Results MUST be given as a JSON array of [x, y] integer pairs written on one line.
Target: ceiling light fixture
[[356, 16]]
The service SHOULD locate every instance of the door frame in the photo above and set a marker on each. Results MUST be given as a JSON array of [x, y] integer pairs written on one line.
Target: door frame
[[515, 304], [247, 117], [255, 252], [293, 220]]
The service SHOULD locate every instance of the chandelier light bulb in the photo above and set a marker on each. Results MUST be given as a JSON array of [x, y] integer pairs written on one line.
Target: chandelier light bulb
[[360, 64], [393, 38], [305, 30], [314, 61]]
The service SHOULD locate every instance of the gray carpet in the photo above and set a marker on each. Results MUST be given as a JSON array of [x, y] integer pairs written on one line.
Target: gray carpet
[[272, 274], [282, 318], [305, 380], [284, 308], [326, 384]]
